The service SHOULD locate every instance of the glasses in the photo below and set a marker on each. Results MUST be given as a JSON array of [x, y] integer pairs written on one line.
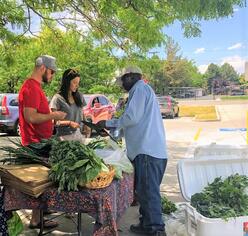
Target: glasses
[[52, 71]]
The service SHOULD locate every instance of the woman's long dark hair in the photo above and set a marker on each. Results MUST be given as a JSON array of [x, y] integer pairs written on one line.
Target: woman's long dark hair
[[69, 75]]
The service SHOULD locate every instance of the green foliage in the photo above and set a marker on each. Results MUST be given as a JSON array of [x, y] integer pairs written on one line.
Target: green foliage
[[223, 198], [228, 73], [167, 205], [122, 24], [178, 71], [73, 163]]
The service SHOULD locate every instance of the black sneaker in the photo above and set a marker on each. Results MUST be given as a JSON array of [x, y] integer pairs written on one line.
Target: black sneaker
[[139, 229], [160, 233]]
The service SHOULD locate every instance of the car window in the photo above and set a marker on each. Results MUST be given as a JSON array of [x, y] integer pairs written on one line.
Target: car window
[[95, 100], [103, 100], [14, 102], [87, 99]]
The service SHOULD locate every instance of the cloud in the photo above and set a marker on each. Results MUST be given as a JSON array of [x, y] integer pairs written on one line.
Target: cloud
[[235, 46], [235, 9], [199, 50], [236, 61], [202, 68]]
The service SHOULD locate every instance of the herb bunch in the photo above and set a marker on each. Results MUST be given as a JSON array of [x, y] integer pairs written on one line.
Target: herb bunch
[[73, 163], [167, 205], [223, 198]]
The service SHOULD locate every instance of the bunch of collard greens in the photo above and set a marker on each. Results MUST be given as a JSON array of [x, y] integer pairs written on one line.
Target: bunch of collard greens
[[223, 198], [73, 163]]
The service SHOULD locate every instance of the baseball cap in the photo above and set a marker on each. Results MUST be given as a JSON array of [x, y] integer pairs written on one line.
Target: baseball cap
[[130, 69], [48, 61]]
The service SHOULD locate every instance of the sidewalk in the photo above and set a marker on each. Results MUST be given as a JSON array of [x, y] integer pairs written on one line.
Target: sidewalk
[[169, 187]]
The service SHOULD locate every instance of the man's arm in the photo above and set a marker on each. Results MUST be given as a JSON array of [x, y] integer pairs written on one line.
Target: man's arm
[[133, 112], [32, 116]]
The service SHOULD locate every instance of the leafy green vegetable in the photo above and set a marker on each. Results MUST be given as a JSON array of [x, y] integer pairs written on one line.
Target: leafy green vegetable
[[73, 163], [19, 154], [167, 205], [223, 198]]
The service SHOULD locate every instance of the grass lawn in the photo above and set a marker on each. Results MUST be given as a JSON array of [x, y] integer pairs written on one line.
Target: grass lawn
[[244, 97], [200, 113]]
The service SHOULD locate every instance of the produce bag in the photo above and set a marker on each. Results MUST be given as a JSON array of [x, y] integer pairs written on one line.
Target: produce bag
[[15, 226], [175, 223], [117, 157], [75, 136]]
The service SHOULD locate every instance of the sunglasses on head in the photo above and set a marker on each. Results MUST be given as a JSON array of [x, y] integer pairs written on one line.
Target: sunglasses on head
[[72, 71]]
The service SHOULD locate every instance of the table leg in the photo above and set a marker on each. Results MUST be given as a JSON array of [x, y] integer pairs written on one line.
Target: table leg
[[41, 222], [79, 226]]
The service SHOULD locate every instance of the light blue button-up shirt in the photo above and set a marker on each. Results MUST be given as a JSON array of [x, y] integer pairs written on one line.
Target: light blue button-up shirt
[[142, 123]]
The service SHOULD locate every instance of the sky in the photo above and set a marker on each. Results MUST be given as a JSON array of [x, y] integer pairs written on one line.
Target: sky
[[225, 40]]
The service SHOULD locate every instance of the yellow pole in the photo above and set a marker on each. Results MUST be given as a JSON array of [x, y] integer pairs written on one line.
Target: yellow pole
[[197, 134], [247, 127]]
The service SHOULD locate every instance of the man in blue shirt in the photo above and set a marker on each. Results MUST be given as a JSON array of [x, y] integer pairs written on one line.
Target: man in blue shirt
[[145, 141]]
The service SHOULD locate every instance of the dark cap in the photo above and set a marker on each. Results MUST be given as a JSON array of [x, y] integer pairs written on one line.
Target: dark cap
[[48, 61]]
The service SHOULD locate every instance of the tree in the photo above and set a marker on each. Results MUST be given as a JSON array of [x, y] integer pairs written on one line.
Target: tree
[[228, 73], [178, 71], [123, 24], [94, 63]]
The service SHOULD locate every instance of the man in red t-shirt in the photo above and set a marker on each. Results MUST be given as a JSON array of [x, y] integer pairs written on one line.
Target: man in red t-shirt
[[35, 117]]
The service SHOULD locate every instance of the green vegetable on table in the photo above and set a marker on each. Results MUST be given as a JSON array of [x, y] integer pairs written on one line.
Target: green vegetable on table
[[73, 164]]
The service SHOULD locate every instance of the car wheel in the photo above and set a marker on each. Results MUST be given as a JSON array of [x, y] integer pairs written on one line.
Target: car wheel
[[177, 114], [172, 115], [17, 130]]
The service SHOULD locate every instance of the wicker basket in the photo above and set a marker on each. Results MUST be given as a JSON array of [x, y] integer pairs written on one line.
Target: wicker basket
[[102, 180]]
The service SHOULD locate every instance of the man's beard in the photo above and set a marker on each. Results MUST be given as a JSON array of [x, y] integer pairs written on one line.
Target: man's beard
[[44, 77]]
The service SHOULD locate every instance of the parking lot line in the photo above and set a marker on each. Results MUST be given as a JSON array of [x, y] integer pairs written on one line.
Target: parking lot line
[[197, 134]]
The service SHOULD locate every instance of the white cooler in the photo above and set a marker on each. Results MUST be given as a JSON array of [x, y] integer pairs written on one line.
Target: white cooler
[[195, 173]]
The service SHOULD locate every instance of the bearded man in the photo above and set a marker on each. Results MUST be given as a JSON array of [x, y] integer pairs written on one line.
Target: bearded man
[[35, 117]]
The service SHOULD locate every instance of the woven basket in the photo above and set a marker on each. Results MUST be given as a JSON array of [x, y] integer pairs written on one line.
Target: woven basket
[[102, 180]]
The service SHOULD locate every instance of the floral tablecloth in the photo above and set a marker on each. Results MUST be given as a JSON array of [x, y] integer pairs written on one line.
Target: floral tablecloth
[[106, 205]]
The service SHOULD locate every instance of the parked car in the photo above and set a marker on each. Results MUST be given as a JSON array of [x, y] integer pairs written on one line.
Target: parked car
[[168, 106], [9, 113], [98, 107], [237, 92]]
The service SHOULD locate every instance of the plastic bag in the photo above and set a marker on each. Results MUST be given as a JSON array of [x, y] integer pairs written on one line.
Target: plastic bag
[[115, 156], [15, 225], [175, 223], [76, 136]]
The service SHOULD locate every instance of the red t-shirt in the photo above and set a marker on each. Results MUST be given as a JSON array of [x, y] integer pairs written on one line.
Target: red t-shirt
[[31, 95]]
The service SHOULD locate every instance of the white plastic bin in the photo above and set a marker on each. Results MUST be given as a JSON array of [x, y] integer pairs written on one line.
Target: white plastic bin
[[194, 175]]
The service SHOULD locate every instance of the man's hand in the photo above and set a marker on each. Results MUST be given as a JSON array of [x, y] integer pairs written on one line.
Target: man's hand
[[58, 115], [101, 124], [74, 125]]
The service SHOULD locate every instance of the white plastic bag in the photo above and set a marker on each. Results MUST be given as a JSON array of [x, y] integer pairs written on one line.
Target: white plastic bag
[[114, 155], [76, 136], [175, 223]]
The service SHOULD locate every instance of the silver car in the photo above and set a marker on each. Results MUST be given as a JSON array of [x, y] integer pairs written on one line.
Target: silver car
[[9, 113]]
